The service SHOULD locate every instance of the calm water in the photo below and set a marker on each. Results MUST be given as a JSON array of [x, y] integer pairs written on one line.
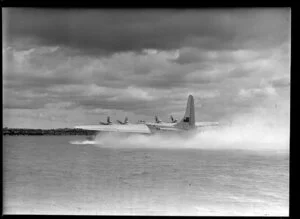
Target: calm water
[[48, 175]]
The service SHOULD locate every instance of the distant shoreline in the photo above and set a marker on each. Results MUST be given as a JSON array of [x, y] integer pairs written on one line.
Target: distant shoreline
[[60, 131]]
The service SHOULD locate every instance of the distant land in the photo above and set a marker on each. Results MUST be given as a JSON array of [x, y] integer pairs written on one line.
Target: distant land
[[59, 131]]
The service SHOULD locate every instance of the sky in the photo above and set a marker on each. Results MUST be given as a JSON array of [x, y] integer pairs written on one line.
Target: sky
[[67, 67]]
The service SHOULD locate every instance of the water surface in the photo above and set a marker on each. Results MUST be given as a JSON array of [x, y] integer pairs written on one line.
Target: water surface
[[48, 175]]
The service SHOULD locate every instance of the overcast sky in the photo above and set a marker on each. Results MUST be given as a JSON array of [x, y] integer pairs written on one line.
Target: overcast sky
[[64, 67]]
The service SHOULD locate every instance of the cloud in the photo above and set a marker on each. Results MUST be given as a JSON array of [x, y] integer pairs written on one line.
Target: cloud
[[192, 55], [136, 30], [59, 105], [133, 93], [257, 92], [281, 81], [143, 62]]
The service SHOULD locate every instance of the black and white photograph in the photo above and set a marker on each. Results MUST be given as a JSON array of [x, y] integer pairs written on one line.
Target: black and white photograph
[[146, 111]]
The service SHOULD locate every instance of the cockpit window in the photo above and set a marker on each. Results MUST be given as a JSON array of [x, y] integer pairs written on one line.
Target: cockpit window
[[187, 119]]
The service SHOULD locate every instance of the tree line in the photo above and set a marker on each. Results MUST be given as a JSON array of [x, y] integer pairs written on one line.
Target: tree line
[[60, 131]]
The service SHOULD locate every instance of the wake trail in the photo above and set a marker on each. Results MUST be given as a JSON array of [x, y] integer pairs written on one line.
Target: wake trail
[[84, 142], [258, 132], [230, 137]]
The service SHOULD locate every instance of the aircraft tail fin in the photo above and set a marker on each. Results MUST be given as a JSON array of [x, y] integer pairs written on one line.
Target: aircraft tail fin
[[108, 120], [188, 121], [126, 120]]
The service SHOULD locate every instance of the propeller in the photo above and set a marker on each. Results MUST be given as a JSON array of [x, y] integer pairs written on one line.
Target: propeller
[[108, 122], [172, 119], [125, 121], [157, 120]]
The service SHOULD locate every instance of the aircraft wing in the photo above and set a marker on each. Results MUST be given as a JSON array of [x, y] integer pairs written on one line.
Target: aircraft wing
[[130, 128], [205, 124]]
